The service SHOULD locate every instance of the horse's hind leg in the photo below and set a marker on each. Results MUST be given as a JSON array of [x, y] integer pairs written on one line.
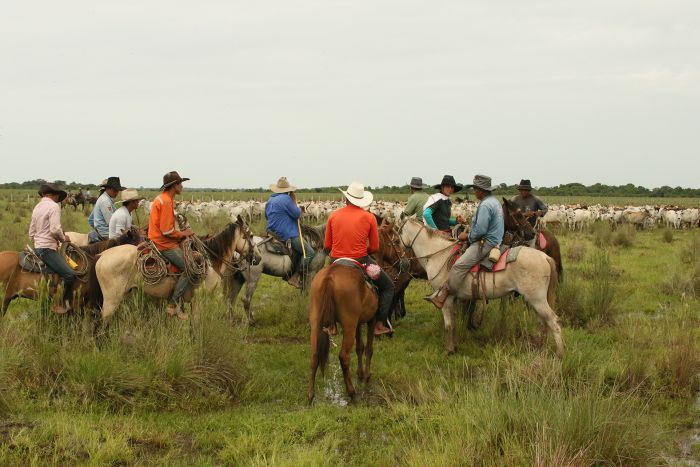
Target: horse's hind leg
[[314, 362], [369, 349], [548, 319], [359, 350], [448, 314], [344, 357]]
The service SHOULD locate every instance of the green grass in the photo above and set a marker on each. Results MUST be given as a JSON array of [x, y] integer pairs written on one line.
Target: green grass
[[156, 390]]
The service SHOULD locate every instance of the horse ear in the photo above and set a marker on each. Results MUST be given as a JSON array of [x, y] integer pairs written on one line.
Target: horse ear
[[402, 216], [239, 219]]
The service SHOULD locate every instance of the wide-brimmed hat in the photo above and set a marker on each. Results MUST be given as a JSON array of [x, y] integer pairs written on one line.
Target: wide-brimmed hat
[[282, 186], [357, 195], [525, 185], [172, 178], [113, 182], [483, 182], [130, 194], [51, 189], [449, 180], [417, 183]]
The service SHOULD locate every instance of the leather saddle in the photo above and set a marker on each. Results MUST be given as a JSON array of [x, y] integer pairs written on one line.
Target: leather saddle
[[276, 246], [29, 262], [366, 269]]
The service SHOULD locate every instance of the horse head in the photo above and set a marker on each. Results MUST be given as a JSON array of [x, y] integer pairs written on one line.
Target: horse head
[[245, 246], [515, 221]]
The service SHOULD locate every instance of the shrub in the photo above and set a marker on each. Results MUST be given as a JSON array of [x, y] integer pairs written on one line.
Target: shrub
[[667, 235], [576, 251], [691, 252], [624, 236], [602, 234]]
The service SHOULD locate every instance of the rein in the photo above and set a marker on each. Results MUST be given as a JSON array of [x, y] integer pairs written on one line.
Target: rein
[[428, 256]]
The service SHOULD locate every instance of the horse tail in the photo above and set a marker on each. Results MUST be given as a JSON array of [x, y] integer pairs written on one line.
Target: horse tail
[[553, 281], [95, 297], [326, 309]]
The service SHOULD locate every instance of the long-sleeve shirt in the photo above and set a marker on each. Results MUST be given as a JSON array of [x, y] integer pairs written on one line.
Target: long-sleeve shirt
[[120, 222], [530, 204], [487, 224], [45, 229], [101, 214], [415, 203], [282, 214], [162, 229], [351, 232], [437, 212]]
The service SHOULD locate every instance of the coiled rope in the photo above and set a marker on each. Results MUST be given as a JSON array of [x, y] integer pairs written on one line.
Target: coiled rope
[[151, 265], [196, 259]]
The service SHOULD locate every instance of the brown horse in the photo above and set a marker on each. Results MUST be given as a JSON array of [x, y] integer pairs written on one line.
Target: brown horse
[[339, 293], [399, 263], [518, 231], [19, 283]]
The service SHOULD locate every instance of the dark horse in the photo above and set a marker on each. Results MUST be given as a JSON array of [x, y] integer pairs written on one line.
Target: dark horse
[[518, 231], [339, 293], [19, 283]]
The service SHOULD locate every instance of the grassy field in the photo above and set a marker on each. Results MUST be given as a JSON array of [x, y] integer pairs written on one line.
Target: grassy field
[[214, 391]]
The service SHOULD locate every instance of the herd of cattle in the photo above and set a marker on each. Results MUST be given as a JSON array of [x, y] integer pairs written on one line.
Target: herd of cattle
[[575, 217]]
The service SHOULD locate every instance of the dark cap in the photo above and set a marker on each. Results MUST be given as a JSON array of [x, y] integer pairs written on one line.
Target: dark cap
[[525, 185], [449, 180], [113, 182]]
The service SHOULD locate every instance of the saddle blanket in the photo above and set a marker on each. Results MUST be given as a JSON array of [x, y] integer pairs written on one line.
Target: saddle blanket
[[371, 271], [508, 255], [29, 263]]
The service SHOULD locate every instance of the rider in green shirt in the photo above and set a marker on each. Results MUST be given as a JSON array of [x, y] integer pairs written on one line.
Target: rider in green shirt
[[417, 199]]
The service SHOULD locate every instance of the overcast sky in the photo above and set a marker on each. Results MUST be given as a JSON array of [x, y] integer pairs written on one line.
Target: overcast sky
[[236, 94]]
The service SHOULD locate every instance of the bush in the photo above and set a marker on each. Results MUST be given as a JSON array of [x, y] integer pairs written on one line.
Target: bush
[[576, 251], [624, 236], [667, 235], [602, 234], [691, 252]]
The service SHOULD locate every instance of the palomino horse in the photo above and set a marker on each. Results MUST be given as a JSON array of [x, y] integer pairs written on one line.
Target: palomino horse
[[273, 265], [78, 239], [115, 272], [533, 274], [19, 283], [399, 263], [521, 232], [339, 293]]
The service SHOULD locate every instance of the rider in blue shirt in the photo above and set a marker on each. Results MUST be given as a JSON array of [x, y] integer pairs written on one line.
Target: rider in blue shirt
[[282, 215]]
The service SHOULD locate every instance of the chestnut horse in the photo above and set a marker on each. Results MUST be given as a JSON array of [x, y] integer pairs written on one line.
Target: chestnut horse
[[339, 293], [520, 232], [19, 283]]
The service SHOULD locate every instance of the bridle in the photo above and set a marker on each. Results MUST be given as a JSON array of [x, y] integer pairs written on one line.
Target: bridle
[[428, 256], [523, 226]]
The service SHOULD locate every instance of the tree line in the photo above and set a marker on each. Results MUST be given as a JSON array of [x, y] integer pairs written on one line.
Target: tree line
[[567, 189]]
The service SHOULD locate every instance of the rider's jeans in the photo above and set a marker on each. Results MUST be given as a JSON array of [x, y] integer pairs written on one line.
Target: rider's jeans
[[177, 257], [58, 264]]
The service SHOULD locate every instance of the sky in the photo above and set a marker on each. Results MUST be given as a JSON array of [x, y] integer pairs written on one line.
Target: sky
[[235, 94]]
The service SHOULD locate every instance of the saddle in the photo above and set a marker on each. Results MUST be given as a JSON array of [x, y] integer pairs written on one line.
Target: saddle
[[30, 262], [370, 272], [276, 246], [508, 255]]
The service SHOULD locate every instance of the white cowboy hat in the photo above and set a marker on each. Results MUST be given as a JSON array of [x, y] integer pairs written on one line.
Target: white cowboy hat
[[130, 195], [357, 195], [282, 186]]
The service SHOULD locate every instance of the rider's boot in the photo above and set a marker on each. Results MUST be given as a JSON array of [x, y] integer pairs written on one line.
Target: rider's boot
[[438, 297]]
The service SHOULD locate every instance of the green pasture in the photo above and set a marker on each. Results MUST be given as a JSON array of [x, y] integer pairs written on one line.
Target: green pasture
[[154, 390]]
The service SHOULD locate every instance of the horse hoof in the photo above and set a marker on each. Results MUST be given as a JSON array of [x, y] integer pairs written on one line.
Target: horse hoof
[[252, 323]]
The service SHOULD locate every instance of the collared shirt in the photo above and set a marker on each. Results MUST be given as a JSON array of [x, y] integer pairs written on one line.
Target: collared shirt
[[415, 203], [162, 228], [530, 204], [102, 213], [120, 222], [45, 229], [487, 224], [351, 232], [282, 215]]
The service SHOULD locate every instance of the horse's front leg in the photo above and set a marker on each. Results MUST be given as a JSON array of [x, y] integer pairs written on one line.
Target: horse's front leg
[[369, 349], [344, 357], [448, 316], [359, 350]]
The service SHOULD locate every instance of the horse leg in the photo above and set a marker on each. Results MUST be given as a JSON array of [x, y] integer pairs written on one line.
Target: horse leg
[[450, 331], [369, 349], [548, 318], [250, 287], [344, 357], [314, 362], [359, 349]]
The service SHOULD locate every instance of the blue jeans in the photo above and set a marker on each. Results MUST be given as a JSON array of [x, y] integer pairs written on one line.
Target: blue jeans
[[177, 257], [56, 263], [296, 246]]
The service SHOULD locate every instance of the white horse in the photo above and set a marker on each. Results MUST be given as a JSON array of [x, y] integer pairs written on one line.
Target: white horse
[[115, 272], [273, 265], [533, 274]]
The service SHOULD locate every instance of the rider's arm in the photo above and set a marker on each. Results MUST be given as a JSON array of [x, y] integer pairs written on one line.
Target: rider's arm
[[453, 221], [328, 238], [292, 209], [166, 222], [411, 206], [541, 206], [481, 226], [428, 218], [373, 236], [55, 223], [91, 218]]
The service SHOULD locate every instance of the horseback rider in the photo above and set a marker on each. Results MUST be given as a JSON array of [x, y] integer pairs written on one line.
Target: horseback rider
[[103, 210], [437, 210], [486, 233], [45, 232], [417, 200], [351, 232], [164, 232], [282, 214], [527, 203], [120, 221]]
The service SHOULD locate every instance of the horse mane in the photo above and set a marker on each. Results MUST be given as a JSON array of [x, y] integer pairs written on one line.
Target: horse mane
[[432, 233], [220, 243], [97, 248]]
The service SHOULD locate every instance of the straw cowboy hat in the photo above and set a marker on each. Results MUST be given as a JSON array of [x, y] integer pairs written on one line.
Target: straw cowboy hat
[[357, 195], [525, 185], [130, 195], [51, 189], [483, 182], [448, 180], [417, 183], [282, 186], [170, 179]]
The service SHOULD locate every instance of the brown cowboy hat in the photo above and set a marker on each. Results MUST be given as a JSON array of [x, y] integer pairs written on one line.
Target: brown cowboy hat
[[171, 178], [52, 189]]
